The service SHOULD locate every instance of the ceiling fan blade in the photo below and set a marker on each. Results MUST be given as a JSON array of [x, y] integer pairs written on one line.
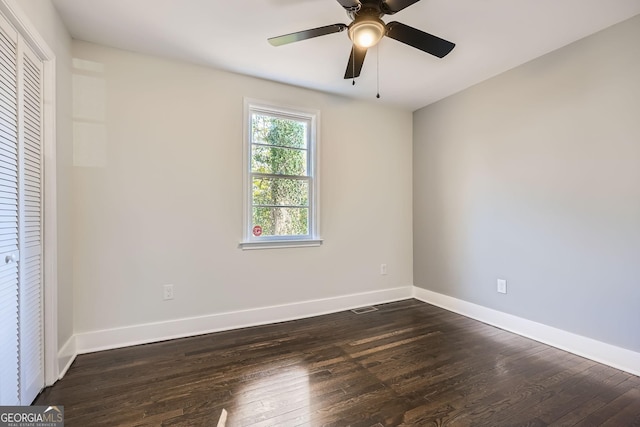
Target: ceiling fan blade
[[390, 7], [350, 4], [356, 59], [307, 34], [419, 39]]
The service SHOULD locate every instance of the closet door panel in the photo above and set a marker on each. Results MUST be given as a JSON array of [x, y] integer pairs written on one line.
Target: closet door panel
[[9, 216], [30, 277]]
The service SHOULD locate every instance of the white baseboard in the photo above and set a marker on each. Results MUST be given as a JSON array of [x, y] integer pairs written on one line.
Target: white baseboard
[[88, 342], [66, 355], [92, 341], [598, 351]]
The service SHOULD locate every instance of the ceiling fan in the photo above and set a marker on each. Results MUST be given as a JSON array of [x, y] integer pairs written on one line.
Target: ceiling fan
[[367, 28]]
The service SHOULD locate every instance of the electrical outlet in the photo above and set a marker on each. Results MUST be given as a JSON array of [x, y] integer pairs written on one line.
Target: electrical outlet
[[167, 292], [502, 286], [383, 269]]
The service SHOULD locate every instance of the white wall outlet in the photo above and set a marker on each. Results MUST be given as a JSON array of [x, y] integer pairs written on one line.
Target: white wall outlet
[[502, 286], [167, 292], [383, 269]]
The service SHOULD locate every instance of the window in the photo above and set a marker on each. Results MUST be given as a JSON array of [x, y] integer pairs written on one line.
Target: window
[[281, 179]]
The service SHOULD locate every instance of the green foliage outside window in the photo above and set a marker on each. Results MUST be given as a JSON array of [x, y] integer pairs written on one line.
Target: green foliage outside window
[[280, 184]]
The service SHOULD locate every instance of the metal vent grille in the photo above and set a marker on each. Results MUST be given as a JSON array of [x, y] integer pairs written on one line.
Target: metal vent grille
[[363, 310]]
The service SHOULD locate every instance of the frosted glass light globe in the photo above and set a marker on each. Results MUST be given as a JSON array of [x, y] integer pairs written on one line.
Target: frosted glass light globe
[[367, 32]]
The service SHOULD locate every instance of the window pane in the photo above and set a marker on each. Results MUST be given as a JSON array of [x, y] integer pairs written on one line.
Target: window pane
[[282, 221], [275, 131], [278, 161], [280, 192]]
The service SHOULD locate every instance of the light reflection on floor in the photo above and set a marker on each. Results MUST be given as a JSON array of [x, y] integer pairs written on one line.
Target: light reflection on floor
[[272, 392]]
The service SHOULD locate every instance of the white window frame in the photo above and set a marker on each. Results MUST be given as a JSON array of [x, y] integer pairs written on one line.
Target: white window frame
[[249, 241]]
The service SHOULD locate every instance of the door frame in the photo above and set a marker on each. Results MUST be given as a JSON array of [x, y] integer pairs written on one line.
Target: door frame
[[12, 12]]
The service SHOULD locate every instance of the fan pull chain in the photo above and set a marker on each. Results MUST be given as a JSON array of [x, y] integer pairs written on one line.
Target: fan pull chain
[[353, 65], [378, 70]]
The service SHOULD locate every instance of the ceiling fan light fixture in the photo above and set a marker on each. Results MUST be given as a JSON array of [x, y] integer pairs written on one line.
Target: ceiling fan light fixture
[[365, 33]]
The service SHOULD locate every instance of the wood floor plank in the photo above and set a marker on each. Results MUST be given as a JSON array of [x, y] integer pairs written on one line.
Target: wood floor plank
[[406, 364]]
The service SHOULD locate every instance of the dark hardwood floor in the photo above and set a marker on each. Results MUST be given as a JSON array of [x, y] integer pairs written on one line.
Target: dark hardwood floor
[[407, 364]]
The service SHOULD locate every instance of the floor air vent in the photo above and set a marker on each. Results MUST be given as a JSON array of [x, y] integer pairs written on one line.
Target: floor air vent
[[363, 310]]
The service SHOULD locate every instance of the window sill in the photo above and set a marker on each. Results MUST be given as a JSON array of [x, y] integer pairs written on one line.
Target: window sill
[[279, 244]]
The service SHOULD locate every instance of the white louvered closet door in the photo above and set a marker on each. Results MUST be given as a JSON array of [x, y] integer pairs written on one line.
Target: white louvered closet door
[[30, 267], [9, 383], [21, 304]]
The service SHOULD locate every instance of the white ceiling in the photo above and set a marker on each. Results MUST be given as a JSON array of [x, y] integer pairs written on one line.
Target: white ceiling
[[492, 36]]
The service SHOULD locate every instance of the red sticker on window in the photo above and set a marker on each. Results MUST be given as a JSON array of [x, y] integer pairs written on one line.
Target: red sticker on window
[[257, 231]]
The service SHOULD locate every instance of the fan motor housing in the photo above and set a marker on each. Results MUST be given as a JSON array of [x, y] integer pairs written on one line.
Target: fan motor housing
[[367, 8]]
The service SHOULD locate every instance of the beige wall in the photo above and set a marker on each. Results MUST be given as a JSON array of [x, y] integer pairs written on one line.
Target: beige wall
[[49, 25], [533, 176], [158, 194]]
